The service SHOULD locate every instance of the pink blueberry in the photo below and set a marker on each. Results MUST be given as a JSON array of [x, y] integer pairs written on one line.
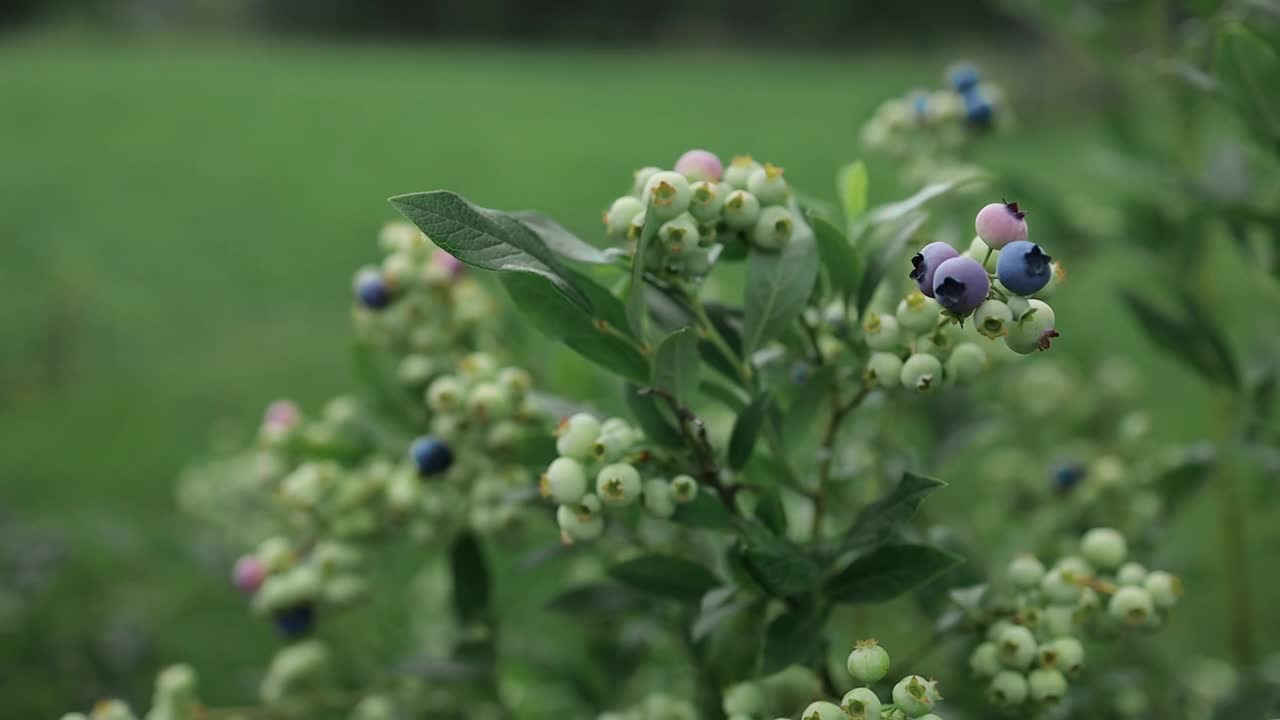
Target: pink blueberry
[[281, 415], [999, 224], [700, 165], [448, 263], [248, 574]]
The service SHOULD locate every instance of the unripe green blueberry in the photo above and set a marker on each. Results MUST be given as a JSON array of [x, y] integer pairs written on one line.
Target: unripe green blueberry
[[744, 699], [445, 394], [1008, 688], [883, 369], [678, 234], [880, 331], [768, 185], [1017, 646], [1165, 589], [478, 366], [966, 363], [488, 402], [978, 251], [668, 193], [1074, 567], [993, 319], [921, 372], [1131, 573], [1103, 547], [1058, 620], [112, 710], [773, 229], [74, 716], [577, 436], [741, 210], [984, 661], [611, 446], [739, 171], [1034, 330], [1058, 587], [915, 696], [868, 662], [566, 481], [1018, 306], [1057, 275], [1025, 572], [917, 313], [640, 179], [620, 214], [658, 499], [707, 200], [861, 704], [1133, 605], [930, 716], [636, 227], [823, 711], [1046, 685], [684, 488], [1065, 654], [582, 520], [618, 484]]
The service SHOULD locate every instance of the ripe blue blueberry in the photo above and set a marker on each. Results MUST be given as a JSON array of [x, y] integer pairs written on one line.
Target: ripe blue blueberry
[[978, 111], [430, 455], [372, 290], [999, 224], [961, 285], [1023, 267], [963, 77], [1067, 476], [925, 264], [296, 621]]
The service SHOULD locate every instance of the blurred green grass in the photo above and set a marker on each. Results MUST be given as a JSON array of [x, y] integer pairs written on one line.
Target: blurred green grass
[[181, 218]]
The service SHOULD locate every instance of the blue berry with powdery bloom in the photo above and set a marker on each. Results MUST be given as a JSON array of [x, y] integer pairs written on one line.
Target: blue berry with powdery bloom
[[1067, 476], [978, 111], [372, 290], [963, 78], [431, 456], [1024, 267], [925, 264], [296, 621], [961, 285]]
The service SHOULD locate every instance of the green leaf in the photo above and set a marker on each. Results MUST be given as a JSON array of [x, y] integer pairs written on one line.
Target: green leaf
[[793, 638], [563, 321], [878, 521], [1248, 72], [889, 256], [560, 240], [888, 571], [1190, 336], [650, 414], [1180, 483], [487, 239], [811, 403], [605, 598], [746, 429], [778, 286], [841, 261], [637, 308], [705, 512], [894, 212], [780, 567], [852, 183], [470, 580], [665, 576], [676, 364]]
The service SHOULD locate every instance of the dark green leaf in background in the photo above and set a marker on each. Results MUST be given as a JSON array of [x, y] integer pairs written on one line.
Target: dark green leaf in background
[[888, 571]]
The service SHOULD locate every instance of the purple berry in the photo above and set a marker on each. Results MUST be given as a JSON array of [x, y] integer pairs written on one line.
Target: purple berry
[[431, 456], [926, 262], [700, 165], [961, 285], [372, 290], [1023, 267], [296, 621], [248, 574], [999, 224]]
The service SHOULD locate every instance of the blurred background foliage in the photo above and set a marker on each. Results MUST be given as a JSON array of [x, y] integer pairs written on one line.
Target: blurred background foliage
[[187, 186]]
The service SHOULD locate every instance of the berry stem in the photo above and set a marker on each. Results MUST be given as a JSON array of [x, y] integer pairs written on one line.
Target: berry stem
[[1232, 532], [695, 435]]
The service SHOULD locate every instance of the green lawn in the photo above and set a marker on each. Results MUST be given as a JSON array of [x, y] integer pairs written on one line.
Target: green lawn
[[180, 220]]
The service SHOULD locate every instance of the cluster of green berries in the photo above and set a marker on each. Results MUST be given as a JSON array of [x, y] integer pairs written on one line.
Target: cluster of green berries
[[174, 698], [599, 467], [944, 118], [913, 696], [1034, 648], [704, 208]]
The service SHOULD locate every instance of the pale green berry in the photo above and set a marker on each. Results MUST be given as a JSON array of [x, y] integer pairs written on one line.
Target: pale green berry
[[861, 704], [1057, 620], [1065, 654], [658, 499], [1034, 330], [930, 716], [112, 710], [641, 179], [668, 193], [883, 369], [1046, 685], [1057, 274], [1074, 567], [966, 363], [823, 711], [1008, 688], [75, 716], [582, 520], [917, 313], [739, 171], [489, 402], [611, 446], [636, 227], [1165, 589], [620, 214], [1058, 587], [996, 629], [577, 436], [773, 229], [707, 200], [881, 331], [744, 699], [978, 251], [478, 366], [1131, 573], [618, 484], [868, 662], [1104, 548], [1133, 605], [768, 185], [445, 394], [678, 234], [993, 319], [915, 696], [684, 488], [1089, 601], [1017, 646], [1025, 572], [741, 210], [985, 660], [921, 372], [566, 481]]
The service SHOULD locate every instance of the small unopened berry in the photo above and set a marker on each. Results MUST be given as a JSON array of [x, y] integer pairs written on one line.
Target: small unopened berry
[[1065, 654], [678, 234], [918, 313], [1017, 646], [657, 498], [961, 285], [1131, 573], [1057, 275], [966, 362], [861, 704], [924, 265], [489, 402], [1104, 548], [1035, 330], [577, 436], [618, 484], [869, 662], [1057, 621], [768, 185], [999, 224], [431, 456], [248, 574], [915, 696], [684, 488], [880, 331], [746, 698], [1025, 572], [668, 193], [640, 178], [582, 520], [1133, 605], [1165, 589], [773, 229], [822, 710], [707, 200], [883, 369], [963, 77], [620, 214], [1046, 685], [566, 481], [700, 165], [984, 661], [921, 372], [372, 290], [1008, 688], [741, 209], [1059, 588], [993, 319]]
